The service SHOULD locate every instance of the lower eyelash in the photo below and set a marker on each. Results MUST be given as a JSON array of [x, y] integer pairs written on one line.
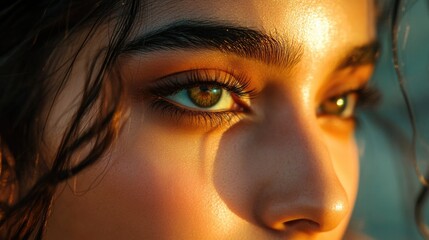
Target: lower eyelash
[[194, 118]]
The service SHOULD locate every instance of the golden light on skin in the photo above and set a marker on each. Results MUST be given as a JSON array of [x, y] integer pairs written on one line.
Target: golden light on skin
[[339, 206], [314, 27], [225, 219], [319, 33]]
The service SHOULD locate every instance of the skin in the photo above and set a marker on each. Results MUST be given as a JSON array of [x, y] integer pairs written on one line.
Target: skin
[[282, 172]]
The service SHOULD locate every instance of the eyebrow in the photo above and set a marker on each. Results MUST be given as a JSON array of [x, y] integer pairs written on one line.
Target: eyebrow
[[241, 41], [226, 38], [361, 55]]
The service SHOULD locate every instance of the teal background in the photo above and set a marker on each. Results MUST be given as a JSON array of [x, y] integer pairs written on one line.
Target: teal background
[[388, 181]]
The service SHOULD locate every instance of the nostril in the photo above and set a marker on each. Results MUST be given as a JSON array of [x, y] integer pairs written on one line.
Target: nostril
[[304, 215], [296, 225], [302, 225]]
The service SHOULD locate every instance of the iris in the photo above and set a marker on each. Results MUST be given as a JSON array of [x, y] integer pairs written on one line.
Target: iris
[[205, 96]]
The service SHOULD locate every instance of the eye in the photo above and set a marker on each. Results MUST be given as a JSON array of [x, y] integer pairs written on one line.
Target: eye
[[342, 106], [206, 97], [203, 97]]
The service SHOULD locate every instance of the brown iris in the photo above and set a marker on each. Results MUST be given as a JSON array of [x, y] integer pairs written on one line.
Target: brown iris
[[205, 96]]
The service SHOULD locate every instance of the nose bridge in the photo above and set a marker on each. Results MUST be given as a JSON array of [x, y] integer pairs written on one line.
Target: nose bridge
[[301, 188]]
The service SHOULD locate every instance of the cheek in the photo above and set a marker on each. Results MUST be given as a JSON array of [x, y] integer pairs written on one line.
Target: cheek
[[155, 184], [168, 172]]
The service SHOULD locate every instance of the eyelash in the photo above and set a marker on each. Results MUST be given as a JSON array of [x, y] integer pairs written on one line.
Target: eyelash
[[368, 97], [237, 84]]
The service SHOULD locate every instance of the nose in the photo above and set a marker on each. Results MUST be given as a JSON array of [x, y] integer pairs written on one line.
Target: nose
[[304, 209], [299, 187]]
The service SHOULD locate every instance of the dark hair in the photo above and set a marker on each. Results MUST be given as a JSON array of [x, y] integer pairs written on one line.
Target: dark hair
[[27, 184]]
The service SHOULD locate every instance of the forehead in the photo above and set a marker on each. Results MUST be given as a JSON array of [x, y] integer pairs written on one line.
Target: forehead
[[318, 24]]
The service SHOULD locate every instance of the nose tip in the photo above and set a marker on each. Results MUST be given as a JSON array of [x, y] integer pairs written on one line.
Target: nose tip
[[306, 214]]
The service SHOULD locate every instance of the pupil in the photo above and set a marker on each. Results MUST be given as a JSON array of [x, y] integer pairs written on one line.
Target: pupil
[[205, 96]]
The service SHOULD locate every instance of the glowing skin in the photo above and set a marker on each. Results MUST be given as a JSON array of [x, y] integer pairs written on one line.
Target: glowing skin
[[282, 172]]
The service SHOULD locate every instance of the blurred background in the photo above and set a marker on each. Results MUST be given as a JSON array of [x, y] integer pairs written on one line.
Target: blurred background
[[389, 184]]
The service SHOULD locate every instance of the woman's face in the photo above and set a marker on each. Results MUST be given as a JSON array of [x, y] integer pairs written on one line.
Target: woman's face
[[240, 124]]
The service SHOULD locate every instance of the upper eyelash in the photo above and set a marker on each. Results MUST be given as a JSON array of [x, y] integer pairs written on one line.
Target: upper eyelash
[[368, 96], [234, 83]]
